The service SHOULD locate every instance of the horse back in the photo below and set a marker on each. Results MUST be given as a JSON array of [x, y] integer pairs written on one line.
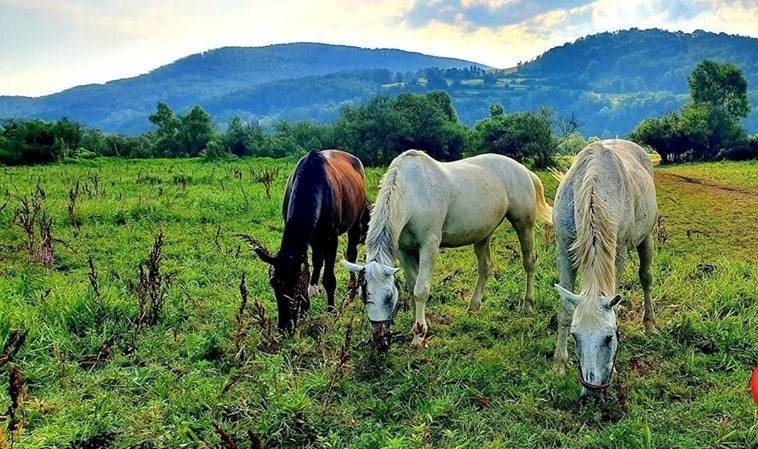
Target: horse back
[[346, 180]]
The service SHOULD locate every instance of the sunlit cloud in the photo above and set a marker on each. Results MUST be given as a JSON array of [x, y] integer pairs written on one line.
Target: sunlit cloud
[[47, 45]]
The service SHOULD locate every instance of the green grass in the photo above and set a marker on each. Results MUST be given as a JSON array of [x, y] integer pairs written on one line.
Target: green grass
[[484, 381]]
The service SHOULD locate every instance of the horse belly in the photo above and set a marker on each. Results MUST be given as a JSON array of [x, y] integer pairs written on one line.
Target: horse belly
[[473, 218]]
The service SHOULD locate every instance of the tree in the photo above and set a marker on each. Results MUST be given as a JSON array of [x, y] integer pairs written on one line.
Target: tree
[[719, 96], [496, 109], [244, 139], [708, 126], [166, 143], [720, 86], [662, 134], [196, 130], [534, 135]]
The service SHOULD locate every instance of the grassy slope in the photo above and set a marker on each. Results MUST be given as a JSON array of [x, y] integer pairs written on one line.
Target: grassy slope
[[485, 380]]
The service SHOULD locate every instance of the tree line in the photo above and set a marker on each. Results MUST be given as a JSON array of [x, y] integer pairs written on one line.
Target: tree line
[[710, 127]]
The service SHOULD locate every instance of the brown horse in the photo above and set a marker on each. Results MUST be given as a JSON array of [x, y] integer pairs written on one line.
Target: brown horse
[[325, 197]]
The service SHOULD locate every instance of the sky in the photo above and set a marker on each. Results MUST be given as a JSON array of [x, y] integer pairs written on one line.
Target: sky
[[50, 45]]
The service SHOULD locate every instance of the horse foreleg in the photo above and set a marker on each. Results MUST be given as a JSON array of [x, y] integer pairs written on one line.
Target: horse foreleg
[[525, 231], [484, 266], [567, 274], [330, 281], [645, 251], [409, 261], [351, 253], [427, 258]]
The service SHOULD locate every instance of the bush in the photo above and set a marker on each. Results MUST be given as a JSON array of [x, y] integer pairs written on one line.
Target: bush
[[744, 152]]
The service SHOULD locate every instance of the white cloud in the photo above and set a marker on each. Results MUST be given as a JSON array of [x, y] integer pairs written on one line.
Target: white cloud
[[49, 45]]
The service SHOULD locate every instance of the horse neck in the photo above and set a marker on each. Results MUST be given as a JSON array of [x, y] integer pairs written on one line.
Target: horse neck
[[594, 250], [302, 216], [387, 220]]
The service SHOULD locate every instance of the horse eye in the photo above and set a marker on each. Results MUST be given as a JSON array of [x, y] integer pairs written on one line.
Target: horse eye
[[608, 340]]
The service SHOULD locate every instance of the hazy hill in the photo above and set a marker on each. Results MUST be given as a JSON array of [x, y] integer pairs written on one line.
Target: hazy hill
[[610, 80], [117, 104]]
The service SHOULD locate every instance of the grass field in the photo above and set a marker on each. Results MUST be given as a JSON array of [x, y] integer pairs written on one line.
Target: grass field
[[94, 377]]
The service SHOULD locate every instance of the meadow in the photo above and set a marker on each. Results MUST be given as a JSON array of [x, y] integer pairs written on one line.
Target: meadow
[[184, 356]]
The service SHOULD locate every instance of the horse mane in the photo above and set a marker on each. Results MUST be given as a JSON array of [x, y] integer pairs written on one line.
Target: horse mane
[[383, 227], [594, 250], [302, 199]]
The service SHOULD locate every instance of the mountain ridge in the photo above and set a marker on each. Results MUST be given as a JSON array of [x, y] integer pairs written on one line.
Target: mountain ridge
[[611, 80]]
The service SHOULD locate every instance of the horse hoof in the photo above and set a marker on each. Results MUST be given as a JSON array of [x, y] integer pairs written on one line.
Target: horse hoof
[[474, 307], [650, 328], [419, 342], [528, 308], [559, 369]]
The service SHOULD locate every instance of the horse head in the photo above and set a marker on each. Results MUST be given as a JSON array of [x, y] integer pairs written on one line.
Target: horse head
[[596, 339], [380, 296], [288, 277]]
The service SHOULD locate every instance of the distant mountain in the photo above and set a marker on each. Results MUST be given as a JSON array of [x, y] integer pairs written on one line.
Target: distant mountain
[[609, 80], [123, 105], [641, 60]]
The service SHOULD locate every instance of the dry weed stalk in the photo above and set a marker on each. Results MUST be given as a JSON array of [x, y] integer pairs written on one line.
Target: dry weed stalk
[[14, 413], [73, 196], [152, 287], [93, 282], [344, 357], [241, 331], [230, 442], [660, 231], [268, 339], [102, 356], [227, 441], [12, 345], [266, 177]]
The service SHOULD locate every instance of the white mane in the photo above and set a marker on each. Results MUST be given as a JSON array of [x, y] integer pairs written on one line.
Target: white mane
[[594, 251], [385, 224]]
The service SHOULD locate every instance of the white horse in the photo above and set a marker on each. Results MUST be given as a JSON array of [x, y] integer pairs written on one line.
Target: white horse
[[423, 205], [605, 205]]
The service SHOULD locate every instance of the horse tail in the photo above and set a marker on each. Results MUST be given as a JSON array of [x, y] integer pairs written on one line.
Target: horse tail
[[544, 211]]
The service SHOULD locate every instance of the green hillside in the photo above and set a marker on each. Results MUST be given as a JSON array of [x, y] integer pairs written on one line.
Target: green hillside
[[611, 81]]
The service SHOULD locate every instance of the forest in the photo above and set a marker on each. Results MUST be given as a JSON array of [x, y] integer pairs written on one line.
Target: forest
[[708, 127]]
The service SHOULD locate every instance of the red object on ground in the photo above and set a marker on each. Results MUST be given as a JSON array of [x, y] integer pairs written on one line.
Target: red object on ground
[[754, 385]]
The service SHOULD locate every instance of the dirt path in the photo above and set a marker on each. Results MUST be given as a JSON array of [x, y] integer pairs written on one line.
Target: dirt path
[[707, 184], [709, 219]]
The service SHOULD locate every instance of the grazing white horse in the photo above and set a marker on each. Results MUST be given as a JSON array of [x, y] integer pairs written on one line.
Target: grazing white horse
[[423, 205], [604, 207]]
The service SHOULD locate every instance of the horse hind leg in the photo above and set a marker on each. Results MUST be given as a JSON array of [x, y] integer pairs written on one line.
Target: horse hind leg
[[645, 251], [330, 281], [484, 266], [525, 232], [317, 257]]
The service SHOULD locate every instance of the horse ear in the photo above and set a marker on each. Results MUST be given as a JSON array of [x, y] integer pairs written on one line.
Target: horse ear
[[567, 295], [616, 299], [264, 256], [352, 267], [389, 271]]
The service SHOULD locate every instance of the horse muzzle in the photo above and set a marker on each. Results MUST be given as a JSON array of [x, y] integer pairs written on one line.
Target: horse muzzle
[[593, 391], [380, 335]]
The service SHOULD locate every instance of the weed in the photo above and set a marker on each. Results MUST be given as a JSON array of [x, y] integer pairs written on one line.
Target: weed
[[152, 288], [240, 321], [12, 346]]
